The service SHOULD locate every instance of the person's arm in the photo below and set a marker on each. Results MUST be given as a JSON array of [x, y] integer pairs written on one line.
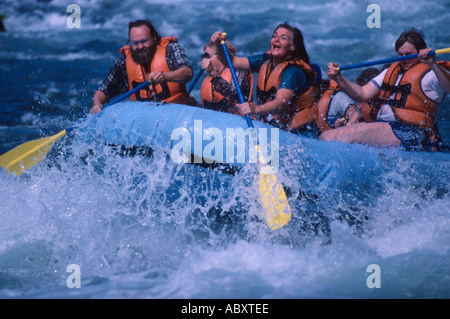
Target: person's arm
[[355, 91], [114, 84], [181, 75], [442, 75], [352, 115], [99, 100], [179, 65], [281, 100], [293, 81], [239, 63]]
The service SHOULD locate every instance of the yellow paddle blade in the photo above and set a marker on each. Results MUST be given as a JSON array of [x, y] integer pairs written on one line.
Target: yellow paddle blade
[[26, 155], [274, 201]]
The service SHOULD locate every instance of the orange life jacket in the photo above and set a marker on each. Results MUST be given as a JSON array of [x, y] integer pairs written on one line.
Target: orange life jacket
[[409, 104], [302, 109], [212, 99], [366, 109], [323, 106], [172, 92]]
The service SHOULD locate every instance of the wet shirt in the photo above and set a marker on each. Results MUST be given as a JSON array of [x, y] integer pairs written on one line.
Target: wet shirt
[[116, 83]]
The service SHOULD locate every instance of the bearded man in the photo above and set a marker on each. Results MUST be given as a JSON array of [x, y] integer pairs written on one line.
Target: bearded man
[[148, 57]]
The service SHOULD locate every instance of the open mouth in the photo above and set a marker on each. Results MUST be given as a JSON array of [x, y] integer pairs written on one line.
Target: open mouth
[[276, 47]]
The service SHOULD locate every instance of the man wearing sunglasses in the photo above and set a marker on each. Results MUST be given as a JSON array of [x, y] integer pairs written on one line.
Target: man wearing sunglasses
[[148, 57]]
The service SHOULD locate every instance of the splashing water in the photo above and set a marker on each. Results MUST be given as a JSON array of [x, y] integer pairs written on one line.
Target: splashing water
[[144, 227]]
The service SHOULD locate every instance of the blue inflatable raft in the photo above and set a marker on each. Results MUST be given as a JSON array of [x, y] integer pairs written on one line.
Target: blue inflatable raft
[[324, 172]]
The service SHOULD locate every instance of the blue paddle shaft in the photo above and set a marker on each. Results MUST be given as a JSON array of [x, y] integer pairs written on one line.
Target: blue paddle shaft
[[389, 60], [236, 82], [195, 80], [120, 98], [125, 95]]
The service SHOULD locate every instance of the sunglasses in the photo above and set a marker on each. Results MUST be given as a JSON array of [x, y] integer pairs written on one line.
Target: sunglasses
[[206, 55]]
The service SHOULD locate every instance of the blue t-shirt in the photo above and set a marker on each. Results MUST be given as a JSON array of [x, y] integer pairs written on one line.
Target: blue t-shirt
[[293, 78]]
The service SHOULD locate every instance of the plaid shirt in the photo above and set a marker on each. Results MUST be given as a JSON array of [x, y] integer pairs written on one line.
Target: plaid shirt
[[116, 83]]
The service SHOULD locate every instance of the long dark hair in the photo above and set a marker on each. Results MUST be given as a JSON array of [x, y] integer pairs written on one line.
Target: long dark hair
[[149, 25], [297, 42]]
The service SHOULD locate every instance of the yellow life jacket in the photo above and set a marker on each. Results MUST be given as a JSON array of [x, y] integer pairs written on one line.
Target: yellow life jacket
[[172, 92], [302, 109]]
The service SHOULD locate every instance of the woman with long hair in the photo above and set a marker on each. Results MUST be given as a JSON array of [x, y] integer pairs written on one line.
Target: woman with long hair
[[285, 84]]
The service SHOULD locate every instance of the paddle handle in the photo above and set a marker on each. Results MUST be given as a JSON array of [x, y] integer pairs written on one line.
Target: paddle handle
[[235, 79], [390, 60]]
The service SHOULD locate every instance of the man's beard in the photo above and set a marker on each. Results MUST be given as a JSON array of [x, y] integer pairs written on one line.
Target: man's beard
[[143, 56]]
